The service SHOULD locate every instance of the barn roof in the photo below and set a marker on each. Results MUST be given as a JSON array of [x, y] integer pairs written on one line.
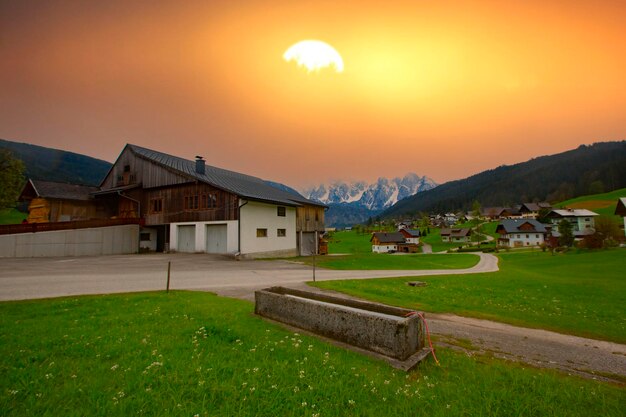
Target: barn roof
[[57, 190], [243, 185], [393, 237], [513, 226]]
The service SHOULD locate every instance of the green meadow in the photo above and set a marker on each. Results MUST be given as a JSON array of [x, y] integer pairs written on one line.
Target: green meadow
[[195, 354], [580, 292]]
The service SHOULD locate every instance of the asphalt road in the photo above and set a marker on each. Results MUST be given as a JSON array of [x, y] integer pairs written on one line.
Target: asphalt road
[[55, 277]]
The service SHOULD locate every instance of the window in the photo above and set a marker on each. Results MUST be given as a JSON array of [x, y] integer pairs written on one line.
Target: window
[[126, 168], [317, 216], [281, 232], [144, 237], [156, 205], [203, 201], [261, 232], [282, 211], [537, 236], [527, 236], [191, 202], [307, 216]]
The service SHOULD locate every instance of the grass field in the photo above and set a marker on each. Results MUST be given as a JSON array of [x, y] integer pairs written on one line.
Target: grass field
[[434, 240], [195, 354], [12, 216], [349, 242], [388, 261], [577, 293], [600, 203]]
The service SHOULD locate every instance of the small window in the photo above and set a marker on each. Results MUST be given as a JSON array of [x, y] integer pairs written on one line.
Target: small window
[[527, 236], [537, 236], [281, 232], [261, 232], [317, 215], [156, 205], [144, 237], [282, 211], [126, 168], [191, 202]]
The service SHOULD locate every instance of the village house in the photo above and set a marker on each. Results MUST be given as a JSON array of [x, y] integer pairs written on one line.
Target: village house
[[189, 206], [531, 210], [456, 235], [582, 221], [411, 235], [383, 242], [516, 233], [160, 202], [59, 202], [620, 210]]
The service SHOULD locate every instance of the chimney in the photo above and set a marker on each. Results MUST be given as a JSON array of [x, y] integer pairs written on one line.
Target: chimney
[[200, 165]]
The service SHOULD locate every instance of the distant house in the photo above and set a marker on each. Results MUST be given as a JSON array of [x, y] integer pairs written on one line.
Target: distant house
[[582, 220], [496, 213], [620, 210], [411, 235], [531, 210], [60, 202], [456, 235], [515, 233], [386, 242]]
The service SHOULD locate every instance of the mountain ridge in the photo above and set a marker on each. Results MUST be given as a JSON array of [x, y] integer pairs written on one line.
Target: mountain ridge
[[597, 167]]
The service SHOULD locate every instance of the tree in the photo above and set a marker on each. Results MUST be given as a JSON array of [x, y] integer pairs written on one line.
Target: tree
[[476, 209], [566, 237], [11, 178], [607, 229]]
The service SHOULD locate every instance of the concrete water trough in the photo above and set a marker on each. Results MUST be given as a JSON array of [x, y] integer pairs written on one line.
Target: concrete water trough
[[396, 334]]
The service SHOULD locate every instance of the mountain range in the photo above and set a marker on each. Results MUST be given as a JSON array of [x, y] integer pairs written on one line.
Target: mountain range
[[49, 164], [588, 169], [354, 202]]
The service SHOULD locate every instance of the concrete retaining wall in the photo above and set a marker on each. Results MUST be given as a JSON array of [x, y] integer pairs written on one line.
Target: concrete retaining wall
[[112, 240], [381, 329]]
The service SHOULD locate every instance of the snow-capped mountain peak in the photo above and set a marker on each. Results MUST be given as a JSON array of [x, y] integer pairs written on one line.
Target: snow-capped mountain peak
[[378, 195]]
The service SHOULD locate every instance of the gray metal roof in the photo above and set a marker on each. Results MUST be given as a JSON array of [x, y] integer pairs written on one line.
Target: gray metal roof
[[62, 190], [243, 185], [411, 232], [513, 225], [394, 237]]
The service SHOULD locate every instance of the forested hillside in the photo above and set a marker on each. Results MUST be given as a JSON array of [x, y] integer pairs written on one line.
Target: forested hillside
[[585, 170], [55, 165]]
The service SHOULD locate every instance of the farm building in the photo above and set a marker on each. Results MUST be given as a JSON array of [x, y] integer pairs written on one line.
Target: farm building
[[521, 232], [59, 202], [620, 210], [188, 206], [456, 235], [386, 242]]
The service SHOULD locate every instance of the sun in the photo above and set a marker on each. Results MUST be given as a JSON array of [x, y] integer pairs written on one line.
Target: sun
[[314, 55]]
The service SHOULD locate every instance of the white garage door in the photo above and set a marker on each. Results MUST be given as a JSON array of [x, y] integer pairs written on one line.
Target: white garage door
[[216, 238], [187, 239]]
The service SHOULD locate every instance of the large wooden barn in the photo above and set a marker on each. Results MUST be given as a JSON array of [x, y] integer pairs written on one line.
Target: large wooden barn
[[188, 206]]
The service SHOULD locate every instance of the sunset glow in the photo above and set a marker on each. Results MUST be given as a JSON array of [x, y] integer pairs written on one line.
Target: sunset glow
[[314, 55], [444, 89]]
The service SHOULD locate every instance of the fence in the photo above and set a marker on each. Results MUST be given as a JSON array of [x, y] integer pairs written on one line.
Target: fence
[[9, 229]]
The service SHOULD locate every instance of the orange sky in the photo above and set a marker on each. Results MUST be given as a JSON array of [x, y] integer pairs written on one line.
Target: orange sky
[[444, 89]]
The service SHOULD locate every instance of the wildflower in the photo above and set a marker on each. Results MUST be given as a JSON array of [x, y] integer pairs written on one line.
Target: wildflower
[[303, 403], [351, 402]]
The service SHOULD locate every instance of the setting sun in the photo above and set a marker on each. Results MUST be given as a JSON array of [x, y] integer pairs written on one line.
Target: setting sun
[[314, 55]]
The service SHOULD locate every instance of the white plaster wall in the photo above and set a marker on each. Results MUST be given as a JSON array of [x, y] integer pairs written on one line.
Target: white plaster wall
[[383, 248], [415, 240], [532, 239], [255, 215], [232, 235], [111, 240], [584, 224]]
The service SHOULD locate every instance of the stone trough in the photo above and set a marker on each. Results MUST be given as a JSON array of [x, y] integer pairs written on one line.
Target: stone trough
[[396, 334]]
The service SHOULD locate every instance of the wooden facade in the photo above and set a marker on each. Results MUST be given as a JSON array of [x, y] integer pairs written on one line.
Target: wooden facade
[[310, 218], [163, 196]]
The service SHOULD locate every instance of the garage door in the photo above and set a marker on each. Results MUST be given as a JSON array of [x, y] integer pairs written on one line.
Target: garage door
[[216, 238], [187, 239]]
